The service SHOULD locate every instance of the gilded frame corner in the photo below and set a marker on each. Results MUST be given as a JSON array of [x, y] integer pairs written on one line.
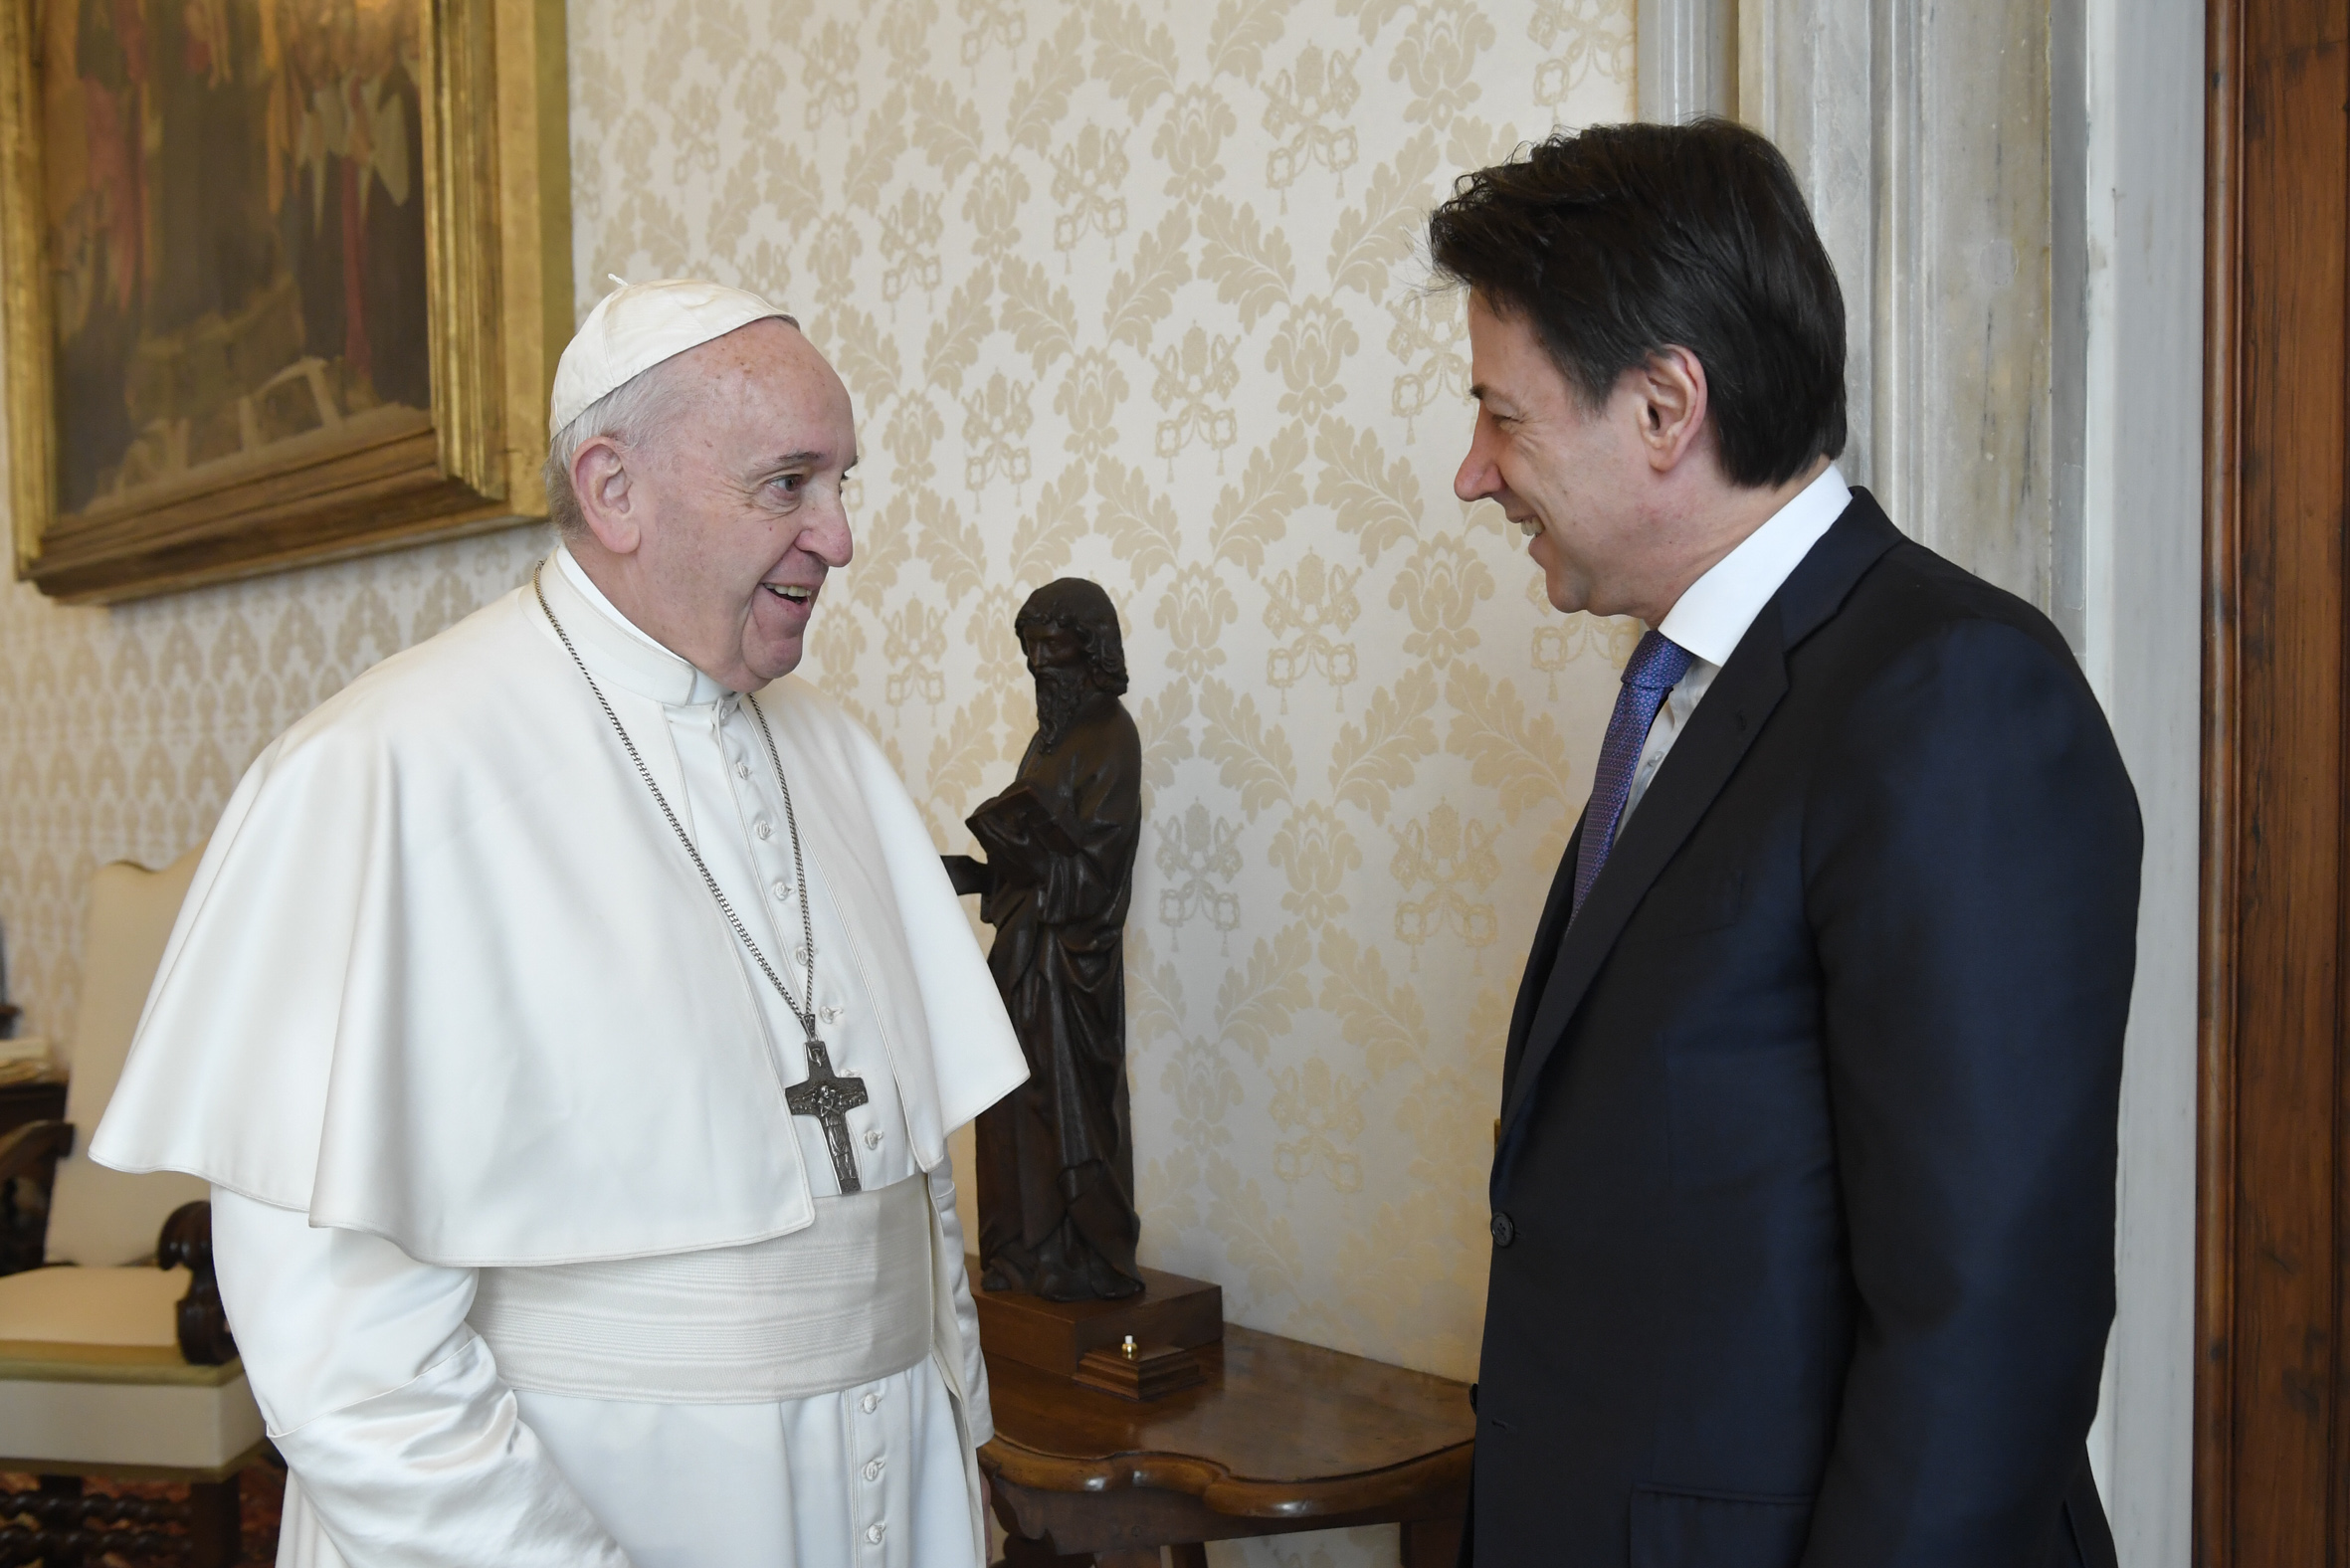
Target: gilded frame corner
[[497, 257]]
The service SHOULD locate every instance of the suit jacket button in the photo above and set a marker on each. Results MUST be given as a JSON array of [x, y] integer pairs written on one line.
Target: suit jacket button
[[1505, 1231]]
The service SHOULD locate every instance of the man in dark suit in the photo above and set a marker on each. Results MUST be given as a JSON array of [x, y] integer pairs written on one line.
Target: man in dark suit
[[1804, 1190]]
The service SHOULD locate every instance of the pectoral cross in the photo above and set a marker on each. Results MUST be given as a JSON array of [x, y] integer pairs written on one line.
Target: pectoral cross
[[828, 1098]]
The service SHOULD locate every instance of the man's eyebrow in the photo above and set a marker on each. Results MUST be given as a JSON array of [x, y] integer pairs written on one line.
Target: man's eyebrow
[[791, 460]]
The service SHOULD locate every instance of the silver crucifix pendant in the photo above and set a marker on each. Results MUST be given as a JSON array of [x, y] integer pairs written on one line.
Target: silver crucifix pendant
[[829, 1099]]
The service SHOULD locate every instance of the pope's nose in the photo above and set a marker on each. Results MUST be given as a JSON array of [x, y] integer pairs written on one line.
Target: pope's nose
[[830, 540]]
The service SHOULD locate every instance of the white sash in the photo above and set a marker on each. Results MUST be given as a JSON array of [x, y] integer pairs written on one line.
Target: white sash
[[847, 1300]]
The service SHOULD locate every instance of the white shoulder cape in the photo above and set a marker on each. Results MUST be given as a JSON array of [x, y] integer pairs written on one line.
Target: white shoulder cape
[[445, 976]]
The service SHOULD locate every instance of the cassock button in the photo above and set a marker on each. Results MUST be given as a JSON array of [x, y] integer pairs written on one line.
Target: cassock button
[[763, 829], [1505, 1229], [830, 1012], [869, 1404], [742, 770], [872, 1534], [873, 1137], [783, 889], [873, 1469]]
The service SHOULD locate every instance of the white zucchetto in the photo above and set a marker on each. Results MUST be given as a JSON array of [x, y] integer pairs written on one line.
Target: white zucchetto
[[637, 326]]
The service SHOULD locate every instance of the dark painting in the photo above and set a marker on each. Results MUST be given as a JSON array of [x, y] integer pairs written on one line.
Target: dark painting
[[235, 213]]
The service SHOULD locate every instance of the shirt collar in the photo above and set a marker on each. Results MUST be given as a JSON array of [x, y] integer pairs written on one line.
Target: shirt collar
[[615, 648], [1714, 613]]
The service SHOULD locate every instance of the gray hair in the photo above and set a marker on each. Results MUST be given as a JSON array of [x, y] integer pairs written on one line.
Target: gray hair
[[632, 414]]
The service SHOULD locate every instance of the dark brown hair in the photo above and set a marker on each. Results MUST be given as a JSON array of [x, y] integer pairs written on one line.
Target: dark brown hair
[[1620, 241]]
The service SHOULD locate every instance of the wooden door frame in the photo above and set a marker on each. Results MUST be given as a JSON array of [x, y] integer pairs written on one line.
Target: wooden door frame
[[2215, 1121], [2271, 1209]]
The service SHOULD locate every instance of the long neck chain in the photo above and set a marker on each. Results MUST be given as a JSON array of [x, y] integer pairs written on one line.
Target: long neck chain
[[806, 1015]]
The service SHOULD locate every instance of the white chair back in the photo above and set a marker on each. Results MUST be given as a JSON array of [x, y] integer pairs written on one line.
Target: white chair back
[[100, 1217]]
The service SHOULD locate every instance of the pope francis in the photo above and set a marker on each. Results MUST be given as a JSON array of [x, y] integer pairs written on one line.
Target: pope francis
[[570, 1017]]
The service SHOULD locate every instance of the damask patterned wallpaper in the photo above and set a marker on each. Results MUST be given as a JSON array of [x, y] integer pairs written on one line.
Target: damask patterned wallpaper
[[123, 729], [1129, 289]]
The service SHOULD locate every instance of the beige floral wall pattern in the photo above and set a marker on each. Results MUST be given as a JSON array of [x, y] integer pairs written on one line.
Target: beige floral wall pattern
[[123, 731], [1125, 289]]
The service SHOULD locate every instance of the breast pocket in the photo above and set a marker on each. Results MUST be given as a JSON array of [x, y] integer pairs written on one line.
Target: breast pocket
[[1695, 1530]]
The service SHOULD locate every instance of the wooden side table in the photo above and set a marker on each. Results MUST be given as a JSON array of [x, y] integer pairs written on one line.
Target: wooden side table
[[1281, 1437]]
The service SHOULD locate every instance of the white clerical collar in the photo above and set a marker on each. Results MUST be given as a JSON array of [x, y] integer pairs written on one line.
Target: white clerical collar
[[1713, 612], [615, 647]]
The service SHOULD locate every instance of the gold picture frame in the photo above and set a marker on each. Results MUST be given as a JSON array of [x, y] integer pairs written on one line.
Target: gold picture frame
[[345, 471]]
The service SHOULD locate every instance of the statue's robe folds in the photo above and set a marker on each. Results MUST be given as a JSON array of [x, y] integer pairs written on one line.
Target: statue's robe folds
[[1057, 1157], [511, 1214]]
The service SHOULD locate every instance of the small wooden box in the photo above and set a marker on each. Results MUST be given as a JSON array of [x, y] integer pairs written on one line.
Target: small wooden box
[[1172, 1313]]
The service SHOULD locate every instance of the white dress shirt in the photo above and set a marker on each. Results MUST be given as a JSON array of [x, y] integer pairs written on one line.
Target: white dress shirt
[[1713, 614]]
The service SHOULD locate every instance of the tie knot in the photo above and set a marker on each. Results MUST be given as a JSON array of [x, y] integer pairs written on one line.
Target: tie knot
[[1658, 663]]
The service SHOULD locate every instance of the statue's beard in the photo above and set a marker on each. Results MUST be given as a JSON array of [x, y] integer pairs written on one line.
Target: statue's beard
[[1061, 697]]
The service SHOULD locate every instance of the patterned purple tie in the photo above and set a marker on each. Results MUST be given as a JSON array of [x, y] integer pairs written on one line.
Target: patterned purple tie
[[1655, 669]]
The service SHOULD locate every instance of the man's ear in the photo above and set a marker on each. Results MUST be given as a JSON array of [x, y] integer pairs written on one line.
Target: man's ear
[[1672, 405], [608, 497]]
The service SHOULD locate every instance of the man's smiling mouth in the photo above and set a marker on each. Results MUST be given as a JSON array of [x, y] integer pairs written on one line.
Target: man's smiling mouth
[[795, 593]]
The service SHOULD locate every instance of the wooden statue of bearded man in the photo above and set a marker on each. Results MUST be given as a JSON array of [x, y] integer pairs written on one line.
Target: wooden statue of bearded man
[[1056, 1158]]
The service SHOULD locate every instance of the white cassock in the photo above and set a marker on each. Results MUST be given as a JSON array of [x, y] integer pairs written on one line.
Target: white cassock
[[527, 1258]]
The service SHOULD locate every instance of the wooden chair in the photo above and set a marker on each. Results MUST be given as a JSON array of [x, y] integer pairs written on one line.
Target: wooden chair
[[115, 1358]]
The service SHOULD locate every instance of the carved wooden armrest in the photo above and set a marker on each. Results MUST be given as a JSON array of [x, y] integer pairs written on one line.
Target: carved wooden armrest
[[186, 1243], [28, 1153], [28, 1149]]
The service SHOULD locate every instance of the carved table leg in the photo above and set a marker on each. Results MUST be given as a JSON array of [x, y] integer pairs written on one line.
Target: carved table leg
[[1431, 1543], [1022, 1552], [215, 1523]]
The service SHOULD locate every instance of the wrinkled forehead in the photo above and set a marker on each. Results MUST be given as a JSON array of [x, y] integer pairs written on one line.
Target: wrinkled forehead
[[766, 354], [766, 376]]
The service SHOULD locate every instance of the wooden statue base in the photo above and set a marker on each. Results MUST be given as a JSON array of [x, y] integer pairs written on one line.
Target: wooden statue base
[[1150, 1372], [1172, 1314]]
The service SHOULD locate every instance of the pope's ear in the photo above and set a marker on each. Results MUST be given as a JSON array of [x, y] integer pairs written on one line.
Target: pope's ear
[[605, 490]]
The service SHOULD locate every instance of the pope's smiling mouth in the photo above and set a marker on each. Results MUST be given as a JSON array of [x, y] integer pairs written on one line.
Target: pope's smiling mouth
[[792, 593]]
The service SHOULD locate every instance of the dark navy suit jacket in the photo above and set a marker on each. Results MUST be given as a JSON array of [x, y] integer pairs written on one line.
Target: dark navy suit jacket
[[1804, 1194]]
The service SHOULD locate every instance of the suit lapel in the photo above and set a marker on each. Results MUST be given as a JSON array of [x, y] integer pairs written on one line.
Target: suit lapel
[[1541, 958], [1700, 762], [1725, 724]]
